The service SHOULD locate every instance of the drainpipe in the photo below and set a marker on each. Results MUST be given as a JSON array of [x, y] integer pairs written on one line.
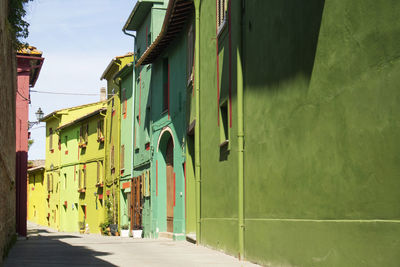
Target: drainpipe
[[197, 127], [133, 99], [240, 132]]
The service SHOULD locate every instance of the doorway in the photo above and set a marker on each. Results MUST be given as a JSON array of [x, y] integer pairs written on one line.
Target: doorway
[[169, 160]]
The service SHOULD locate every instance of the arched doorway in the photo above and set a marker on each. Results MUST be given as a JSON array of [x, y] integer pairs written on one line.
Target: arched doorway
[[169, 160]]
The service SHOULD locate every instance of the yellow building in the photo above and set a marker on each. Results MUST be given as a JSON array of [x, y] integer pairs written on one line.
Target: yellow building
[[36, 192], [54, 154]]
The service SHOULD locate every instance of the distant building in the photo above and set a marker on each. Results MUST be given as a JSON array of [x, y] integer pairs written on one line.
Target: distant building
[[67, 155], [36, 202]]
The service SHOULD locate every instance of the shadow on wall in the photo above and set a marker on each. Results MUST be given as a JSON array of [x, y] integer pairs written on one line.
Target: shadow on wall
[[48, 250], [281, 38]]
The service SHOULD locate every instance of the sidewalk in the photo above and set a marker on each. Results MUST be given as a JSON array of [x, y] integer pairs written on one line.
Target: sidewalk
[[46, 247]]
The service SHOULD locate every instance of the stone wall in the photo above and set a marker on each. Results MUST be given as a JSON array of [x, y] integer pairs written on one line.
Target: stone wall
[[7, 134]]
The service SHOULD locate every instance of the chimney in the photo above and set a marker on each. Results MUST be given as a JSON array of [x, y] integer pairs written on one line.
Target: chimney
[[103, 95]]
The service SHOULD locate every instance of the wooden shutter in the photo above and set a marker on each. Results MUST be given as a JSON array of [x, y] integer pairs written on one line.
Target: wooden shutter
[[122, 159], [112, 157], [81, 134], [87, 132], [84, 177], [98, 130], [48, 182], [80, 179], [51, 138], [98, 172], [52, 183]]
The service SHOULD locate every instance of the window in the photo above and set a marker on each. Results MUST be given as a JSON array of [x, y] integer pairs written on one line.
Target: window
[[51, 138], [84, 132], [99, 171], [224, 123], [100, 130], [128, 203], [66, 142], [165, 85], [112, 157], [52, 182], [124, 104], [122, 159], [84, 176], [59, 142], [65, 181], [148, 39], [48, 182], [190, 55], [221, 13], [80, 180]]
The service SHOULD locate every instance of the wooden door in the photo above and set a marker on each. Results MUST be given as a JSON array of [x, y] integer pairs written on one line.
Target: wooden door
[[169, 160], [136, 203]]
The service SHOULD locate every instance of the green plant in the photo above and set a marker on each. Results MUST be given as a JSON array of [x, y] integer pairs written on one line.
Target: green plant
[[18, 27], [125, 227], [82, 225]]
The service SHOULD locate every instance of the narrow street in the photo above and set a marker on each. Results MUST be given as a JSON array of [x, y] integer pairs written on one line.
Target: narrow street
[[46, 247]]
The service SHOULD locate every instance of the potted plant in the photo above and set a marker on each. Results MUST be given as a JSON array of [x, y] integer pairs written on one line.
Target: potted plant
[[104, 228], [137, 233], [125, 230], [82, 227]]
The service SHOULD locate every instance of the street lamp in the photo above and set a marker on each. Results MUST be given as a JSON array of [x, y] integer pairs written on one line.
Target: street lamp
[[39, 115]]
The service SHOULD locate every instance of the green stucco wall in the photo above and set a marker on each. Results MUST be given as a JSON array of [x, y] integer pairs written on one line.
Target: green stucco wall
[[142, 120], [126, 87], [321, 111]]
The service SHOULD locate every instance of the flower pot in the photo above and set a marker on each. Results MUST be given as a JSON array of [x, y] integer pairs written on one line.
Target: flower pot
[[137, 233], [124, 233]]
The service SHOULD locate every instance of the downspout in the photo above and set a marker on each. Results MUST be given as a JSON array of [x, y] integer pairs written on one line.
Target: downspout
[[133, 103], [197, 127], [239, 40]]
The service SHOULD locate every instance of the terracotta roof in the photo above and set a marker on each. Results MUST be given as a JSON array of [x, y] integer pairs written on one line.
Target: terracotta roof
[[36, 165], [178, 12], [30, 50], [113, 61]]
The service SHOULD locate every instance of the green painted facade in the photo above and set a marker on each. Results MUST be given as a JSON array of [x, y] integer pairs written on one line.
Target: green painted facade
[[146, 19], [320, 111]]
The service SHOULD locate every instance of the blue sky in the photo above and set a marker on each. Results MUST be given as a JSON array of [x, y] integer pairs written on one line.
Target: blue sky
[[78, 39]]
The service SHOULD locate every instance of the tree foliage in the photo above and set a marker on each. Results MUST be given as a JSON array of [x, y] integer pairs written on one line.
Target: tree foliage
[[17, 25]]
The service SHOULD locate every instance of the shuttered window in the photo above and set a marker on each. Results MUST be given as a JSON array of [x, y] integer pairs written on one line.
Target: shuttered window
[[84, 177], [165, 84], [86, 132], [50, 138], [99, 171], [80, 179], [221, 13], [100, 130], [48, 182], [112, 157], [128, 203], [52, 183], [81, 134], [122, 159], [190, 54], [124, 104]]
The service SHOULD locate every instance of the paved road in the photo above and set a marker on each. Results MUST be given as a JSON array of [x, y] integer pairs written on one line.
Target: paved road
[[46, 247]]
